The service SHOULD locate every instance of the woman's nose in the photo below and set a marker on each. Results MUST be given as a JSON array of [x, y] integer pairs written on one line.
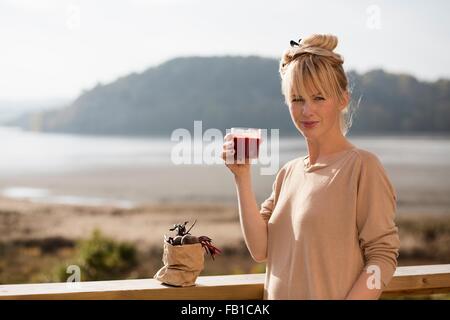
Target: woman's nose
[[306, 109]]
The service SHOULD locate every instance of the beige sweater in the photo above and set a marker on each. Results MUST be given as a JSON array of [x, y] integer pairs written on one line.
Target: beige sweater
[[327, 223]]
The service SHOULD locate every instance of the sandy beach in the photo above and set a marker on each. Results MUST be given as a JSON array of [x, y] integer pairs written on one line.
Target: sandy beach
[[163, 196], [145, 226], [420, 189], [36, 236]]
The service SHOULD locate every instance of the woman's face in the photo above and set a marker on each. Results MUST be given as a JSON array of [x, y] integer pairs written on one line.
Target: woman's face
[[315, 116]]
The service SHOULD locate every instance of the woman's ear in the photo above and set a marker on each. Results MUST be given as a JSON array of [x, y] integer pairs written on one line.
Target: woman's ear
[[346, 96]]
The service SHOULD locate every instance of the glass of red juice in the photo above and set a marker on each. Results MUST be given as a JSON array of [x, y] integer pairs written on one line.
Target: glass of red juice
[[246, 143]]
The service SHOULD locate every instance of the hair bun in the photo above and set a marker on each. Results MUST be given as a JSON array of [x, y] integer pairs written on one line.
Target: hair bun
[[324, 41], [321, 45]]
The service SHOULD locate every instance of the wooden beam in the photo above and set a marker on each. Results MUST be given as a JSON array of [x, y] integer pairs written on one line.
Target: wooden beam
[[245, 286], [425, 279]]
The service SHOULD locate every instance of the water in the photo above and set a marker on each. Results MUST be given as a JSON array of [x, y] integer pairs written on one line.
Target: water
[[31, 152], [46, 196], [28, 153]]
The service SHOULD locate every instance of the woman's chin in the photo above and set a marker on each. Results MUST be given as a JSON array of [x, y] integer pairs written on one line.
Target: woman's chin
[[307, 133]]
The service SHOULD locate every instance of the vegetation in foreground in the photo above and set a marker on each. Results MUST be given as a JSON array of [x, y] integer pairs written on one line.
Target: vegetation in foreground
[[424, 241]]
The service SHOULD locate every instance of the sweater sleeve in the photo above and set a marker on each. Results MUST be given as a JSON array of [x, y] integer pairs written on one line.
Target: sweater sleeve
[[269, 204], [376, 207]]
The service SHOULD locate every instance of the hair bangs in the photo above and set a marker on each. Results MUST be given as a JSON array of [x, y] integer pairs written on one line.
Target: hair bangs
[[306, 78]]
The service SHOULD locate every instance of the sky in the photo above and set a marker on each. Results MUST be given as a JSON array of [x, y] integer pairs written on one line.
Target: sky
[[55, 49]]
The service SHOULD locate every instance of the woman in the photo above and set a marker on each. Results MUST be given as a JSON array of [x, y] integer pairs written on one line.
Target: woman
[[327, 231]]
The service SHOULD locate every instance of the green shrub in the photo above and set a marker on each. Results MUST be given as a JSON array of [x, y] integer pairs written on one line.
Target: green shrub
[[102, 258]]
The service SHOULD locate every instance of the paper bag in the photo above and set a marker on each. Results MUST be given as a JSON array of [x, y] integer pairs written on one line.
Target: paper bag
[[182, 264]]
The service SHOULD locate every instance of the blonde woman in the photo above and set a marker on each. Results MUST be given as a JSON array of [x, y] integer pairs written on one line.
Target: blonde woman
[[327, 230]]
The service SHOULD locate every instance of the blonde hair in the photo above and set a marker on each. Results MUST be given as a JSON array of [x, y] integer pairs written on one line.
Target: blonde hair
[[313, 67]]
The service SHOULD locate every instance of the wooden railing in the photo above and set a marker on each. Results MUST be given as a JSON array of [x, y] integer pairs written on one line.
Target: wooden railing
[[428, 279]]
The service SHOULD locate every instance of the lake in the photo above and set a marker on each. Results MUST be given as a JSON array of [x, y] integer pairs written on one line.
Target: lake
[[125, 171]]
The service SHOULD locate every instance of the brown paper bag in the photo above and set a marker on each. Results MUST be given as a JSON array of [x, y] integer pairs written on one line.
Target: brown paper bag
[[182, 264]]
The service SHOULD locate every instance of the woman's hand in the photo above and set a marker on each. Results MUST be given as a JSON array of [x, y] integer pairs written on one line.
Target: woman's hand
[[238, 169]]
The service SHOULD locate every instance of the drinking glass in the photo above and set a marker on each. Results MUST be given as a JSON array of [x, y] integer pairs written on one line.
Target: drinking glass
[[246, 143]]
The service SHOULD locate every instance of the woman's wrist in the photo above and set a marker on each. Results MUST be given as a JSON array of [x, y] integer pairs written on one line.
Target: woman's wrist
[[242, 177]]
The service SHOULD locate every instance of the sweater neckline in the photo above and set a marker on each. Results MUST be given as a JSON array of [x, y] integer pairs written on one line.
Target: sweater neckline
[[324, 161]]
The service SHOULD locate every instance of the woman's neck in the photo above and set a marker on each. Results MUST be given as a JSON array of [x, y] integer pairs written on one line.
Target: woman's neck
[[317, 149]]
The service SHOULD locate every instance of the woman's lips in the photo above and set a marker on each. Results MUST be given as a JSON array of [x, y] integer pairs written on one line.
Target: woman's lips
[[309, 124]]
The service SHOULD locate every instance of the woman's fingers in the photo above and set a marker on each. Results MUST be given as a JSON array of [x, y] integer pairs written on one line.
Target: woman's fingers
[[228, 153], [228, 145], [228, 137], [228, 157]]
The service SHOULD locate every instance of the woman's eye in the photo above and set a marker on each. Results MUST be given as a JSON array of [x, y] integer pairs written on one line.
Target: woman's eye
[[297, 100], [319, 98]]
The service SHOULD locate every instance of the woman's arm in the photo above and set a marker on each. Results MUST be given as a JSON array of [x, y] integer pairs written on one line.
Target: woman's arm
[[377, 232], [361, 290], [253, 225]]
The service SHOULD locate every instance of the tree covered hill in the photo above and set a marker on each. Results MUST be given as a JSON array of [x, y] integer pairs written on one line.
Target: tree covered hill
[[232, 91]]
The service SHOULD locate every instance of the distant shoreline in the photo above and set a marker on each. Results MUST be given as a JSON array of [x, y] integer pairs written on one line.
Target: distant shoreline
[[289, 135], [419, 188]]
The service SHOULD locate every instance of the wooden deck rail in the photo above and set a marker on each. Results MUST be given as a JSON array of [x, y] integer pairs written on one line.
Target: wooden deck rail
[[427, 279]]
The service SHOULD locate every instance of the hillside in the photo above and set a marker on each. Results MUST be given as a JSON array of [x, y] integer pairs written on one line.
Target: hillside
[[228, 92]]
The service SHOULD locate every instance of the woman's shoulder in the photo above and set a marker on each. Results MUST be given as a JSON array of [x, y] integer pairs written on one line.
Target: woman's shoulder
[[371, 170], [361, 155], [293, 163], [367, 162], [289, 167], [366, 157]]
